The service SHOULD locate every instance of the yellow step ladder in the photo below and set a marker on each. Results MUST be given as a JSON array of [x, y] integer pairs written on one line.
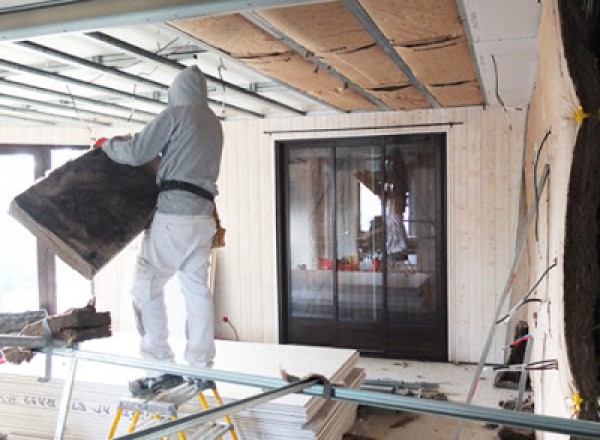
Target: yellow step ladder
[[164, 405]]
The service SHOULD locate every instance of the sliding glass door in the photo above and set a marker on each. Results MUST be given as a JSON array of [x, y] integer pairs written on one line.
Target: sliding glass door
[[362, 239]]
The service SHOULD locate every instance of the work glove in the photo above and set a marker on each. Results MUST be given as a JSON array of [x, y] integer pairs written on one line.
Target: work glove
[[100, 142]]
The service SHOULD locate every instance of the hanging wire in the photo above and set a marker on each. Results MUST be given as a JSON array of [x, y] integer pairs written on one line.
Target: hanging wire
[[535, 164], [526, 299], [77, 112], [219, 69]]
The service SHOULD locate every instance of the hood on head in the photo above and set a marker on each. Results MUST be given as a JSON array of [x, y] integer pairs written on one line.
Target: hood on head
[[188, 87]]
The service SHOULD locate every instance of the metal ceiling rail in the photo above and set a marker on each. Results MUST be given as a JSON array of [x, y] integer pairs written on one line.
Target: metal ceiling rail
[[371, 398], [307, 54], [149, 56], [80, 121], [21, 68], [96, 14], [8, 117], [369, 25], [161, 60], [81, 62], [60, 107], [187, 37], [73, 97]]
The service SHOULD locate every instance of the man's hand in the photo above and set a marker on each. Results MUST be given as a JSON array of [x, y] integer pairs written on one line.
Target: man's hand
[[100, 142]]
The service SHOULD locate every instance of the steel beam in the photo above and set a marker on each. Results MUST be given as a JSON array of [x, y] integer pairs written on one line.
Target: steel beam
[[106, 70], [163, 61], [369, 25], [371, 398], [97, 14], [298, 48]]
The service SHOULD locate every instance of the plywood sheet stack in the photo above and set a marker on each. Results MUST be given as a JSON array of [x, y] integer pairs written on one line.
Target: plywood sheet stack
[[29, 408]]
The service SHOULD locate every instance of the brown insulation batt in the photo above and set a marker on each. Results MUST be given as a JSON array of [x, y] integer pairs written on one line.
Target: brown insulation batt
[[331, 32], [429, 36], [89, 209], [240, 38]]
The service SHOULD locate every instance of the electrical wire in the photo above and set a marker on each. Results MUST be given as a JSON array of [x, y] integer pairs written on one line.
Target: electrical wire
[[526, 299]]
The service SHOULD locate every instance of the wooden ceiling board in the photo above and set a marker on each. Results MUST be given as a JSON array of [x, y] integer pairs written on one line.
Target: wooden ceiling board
[[429, 36], [242, 39], [415, 21], [404, 98], [332, 33], [457, 95]]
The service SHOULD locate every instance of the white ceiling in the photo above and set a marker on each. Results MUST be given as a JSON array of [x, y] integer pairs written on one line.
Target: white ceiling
[[501, 31]]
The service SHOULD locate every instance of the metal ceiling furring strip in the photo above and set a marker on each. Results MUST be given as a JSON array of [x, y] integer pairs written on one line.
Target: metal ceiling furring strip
[[114, 72], [369, 25], [267, 27], [96, 14], [4, 116], [82, 62], [35, 102], [187, 37], [53, 116], [70, 97], [164, 61], [21, 68]]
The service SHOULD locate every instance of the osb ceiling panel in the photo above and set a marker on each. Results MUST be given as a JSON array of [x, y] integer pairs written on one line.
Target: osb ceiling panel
[[242, 39], [332, 33], [430, 38]]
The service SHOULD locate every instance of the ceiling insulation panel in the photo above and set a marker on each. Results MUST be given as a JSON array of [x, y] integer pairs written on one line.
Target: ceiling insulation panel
[[429, 36], [331, 32], [236, 36]]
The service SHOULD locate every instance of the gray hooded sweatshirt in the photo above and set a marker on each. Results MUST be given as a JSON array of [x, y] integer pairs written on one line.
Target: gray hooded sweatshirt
[[189, 138]]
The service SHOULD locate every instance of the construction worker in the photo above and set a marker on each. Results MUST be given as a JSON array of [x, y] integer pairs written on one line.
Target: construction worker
[[188, 137]]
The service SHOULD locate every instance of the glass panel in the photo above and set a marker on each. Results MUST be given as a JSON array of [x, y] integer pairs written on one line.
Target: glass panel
[[310, 232], [360, 235], [72, 288], [18, 255], [410, 220]]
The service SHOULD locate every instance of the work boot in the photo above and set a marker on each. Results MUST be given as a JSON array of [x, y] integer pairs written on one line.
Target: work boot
[[147, 386]]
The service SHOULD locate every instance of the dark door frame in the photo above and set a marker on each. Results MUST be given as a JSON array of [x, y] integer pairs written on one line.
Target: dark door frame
[[282, 220]]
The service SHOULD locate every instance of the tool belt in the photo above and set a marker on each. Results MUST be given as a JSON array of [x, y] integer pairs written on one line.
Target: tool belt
[[170, 185]]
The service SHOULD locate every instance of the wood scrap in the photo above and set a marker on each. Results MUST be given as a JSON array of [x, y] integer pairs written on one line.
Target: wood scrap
[[76, 325]]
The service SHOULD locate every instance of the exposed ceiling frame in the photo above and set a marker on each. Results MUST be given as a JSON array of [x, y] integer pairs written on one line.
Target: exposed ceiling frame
[[97, 14], [80, 121], [21, 68], [22, 118], [371, 27], [73, 97], [158, 59], [71, 59], [62, 107], [270, 29], [187, 37]]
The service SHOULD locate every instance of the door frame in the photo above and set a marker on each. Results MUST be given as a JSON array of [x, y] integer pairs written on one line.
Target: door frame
[[282, 221]]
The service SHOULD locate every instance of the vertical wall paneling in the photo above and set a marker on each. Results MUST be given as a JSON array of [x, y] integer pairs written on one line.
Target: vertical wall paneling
[[482, 171], [476, 143]]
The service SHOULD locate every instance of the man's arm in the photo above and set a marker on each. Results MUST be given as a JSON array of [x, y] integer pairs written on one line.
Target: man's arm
[[144, 146]]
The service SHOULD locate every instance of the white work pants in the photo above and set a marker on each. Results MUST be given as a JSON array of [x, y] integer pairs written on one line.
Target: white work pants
[[175, 244]]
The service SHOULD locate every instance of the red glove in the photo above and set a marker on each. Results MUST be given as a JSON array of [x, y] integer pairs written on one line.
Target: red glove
[[100, 142]]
